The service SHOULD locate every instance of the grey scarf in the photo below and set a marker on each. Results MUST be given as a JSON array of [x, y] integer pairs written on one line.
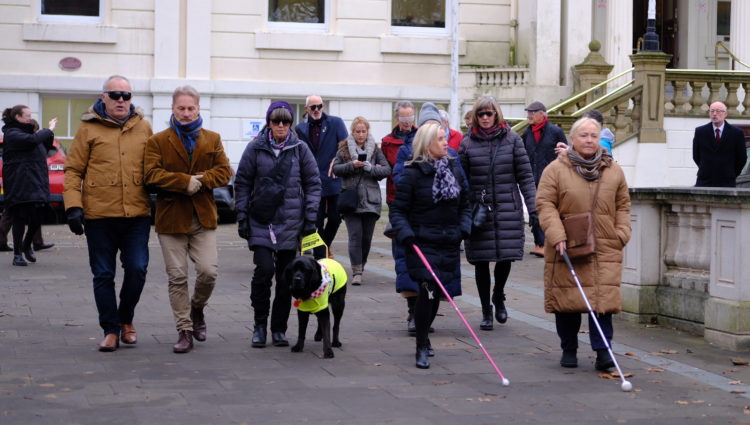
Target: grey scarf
[[590, 169]]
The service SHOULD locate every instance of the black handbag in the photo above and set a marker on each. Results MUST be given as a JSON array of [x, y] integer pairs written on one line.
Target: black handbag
[[349, 199], [480, 211], [269, 191]]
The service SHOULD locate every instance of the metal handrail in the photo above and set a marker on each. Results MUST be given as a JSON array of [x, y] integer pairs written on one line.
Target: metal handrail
[[574, 98], [729, 52]]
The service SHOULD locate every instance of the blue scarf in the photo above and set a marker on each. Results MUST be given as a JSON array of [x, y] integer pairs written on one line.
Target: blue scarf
[[188, 133]]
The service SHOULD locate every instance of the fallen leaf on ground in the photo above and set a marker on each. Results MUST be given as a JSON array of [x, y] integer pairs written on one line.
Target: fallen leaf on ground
[[746, 411], [735, 382], [737, 361], [738, 391], [682, 402], [630, 354], [483, 399], [698, 401], [668, 351], [47, 385], [655, 369], [652, 326], [617, 374], [613, 375]]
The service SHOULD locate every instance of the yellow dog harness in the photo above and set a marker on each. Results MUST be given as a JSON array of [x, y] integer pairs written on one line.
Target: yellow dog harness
[[334, 278]]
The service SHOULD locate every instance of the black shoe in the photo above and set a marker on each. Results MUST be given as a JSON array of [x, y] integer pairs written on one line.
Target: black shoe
[[486, 323], [569, 359], [279, 339], [501, 314], [411, 326], [5, 248], [259, 336], [430, 351], [421, 356], [41, 246], [19, 261], [604, 361], [29, 254]]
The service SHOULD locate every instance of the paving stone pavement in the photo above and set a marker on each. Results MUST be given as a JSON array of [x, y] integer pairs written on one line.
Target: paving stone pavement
[[52, 373]]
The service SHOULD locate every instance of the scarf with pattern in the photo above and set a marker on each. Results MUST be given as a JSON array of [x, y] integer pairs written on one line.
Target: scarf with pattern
[[590, 169], [444, 185]]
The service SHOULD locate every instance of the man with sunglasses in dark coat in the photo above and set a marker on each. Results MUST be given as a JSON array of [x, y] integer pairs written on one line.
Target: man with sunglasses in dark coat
[[105, 197], [322, 133]]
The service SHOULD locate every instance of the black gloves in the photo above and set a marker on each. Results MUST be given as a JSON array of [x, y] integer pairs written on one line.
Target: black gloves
[[409, 242], [75, 219], [309, 228], [533, 220], [243, 227]]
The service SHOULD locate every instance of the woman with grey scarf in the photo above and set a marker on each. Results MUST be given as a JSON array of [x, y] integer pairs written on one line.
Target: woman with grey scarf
[[361, 163], [431, 210]]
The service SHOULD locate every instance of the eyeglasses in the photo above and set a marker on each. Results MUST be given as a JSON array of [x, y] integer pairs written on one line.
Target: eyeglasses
[[116, 95], [315, 107], [410, 118], [485, 114], [277, 122], [717, 111]]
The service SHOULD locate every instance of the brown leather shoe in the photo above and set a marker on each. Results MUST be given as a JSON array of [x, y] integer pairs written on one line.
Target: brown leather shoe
[[184, 343], [538, 251], [109, 343], [199, 323], [128, 335]]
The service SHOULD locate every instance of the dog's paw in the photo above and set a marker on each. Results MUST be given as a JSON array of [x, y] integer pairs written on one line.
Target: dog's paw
[[297, 348], [336, 344], [328, 354], [318, 336]]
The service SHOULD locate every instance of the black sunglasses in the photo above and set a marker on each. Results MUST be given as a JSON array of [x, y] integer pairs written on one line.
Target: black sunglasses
[[484, 114], [315, 107], [285, 122], [116, 95]]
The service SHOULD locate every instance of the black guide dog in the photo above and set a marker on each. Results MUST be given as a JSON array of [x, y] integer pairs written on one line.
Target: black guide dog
[[304, 276]]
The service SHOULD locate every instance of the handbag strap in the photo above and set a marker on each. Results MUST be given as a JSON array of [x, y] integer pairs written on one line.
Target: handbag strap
[[596, 196], [493, 153]]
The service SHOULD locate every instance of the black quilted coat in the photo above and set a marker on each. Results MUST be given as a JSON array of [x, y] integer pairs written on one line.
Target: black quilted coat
[[25, 174], [501, 238]]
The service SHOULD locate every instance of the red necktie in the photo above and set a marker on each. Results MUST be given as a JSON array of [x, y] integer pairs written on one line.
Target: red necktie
[[718, 135]]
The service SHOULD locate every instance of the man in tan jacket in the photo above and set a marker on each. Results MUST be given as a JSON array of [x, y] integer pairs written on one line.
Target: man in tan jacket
[[104, 186], [185, 163]]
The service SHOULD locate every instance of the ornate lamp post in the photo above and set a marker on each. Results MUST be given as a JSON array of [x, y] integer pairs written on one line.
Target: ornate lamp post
[[651, 39]]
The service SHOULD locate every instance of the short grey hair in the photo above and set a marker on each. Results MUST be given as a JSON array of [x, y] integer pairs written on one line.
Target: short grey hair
[[307, 99], [444, 115], [402, 104], [186, 91], [115, 77]]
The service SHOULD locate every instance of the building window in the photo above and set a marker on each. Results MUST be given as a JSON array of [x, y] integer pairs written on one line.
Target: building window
[[723, 14], [297, 11], [71, 11], [418, 13], [68, 111]]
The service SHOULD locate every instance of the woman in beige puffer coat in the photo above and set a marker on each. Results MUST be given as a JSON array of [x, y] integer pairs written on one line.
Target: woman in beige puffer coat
[[567, 187]]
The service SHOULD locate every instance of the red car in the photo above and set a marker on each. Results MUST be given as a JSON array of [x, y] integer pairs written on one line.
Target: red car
[[55, 164]]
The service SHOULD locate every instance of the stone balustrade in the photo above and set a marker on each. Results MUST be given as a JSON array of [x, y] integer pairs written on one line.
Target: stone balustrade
[[501, 77], [691, 91], [685, 265]]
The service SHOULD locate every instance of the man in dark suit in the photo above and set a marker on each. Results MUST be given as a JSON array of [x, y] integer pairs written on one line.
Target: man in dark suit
[[718, 150]]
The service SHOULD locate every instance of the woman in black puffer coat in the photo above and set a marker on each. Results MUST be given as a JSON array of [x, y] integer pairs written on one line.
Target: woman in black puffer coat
[[25, 177], [495, 183], [431, 210]]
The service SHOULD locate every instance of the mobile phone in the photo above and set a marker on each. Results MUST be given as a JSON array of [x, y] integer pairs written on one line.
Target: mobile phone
[[362, 157]]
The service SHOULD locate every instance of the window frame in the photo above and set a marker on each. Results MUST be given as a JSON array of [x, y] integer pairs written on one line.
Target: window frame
[[299, 26], [71, 120], [412, 30], [71, 19]]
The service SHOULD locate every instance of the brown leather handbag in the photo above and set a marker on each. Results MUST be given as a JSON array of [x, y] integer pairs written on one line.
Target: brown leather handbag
[[579, 229]]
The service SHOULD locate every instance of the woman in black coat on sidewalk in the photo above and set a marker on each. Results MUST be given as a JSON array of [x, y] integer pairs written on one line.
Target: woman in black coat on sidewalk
[[431, 210], [25, 177]]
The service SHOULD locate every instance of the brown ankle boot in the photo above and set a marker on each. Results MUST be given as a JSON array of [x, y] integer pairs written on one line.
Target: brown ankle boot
[[184, 343], [199, 324]]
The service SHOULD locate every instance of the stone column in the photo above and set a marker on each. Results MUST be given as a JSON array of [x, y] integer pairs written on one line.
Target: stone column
[[592, 71], [739, 32], [545, 46], [577, 32], [650, 68], [198, 40], [167, 39], [618, 44]]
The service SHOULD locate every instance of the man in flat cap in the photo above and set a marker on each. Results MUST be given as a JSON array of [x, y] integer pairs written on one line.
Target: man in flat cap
[[540, 139]]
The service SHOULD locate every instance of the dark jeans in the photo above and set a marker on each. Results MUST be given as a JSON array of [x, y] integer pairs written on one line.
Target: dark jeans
[[106, 236], [482, 276], [267, 264], [360, 228], [568, 325], [27, 220], [328, 222], [425, 310]]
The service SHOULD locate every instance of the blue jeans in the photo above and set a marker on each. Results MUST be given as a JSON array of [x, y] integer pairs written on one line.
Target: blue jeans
[[105, 236]]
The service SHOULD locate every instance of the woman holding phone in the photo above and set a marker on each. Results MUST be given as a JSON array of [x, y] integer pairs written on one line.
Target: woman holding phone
[[361, 163]]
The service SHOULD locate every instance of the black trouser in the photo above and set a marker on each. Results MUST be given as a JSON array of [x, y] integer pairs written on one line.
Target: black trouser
[[482, 276], [425, 310], [267, 264], [23, 215], [328, 222], [568, 325], [6, 222], [360, 228]]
